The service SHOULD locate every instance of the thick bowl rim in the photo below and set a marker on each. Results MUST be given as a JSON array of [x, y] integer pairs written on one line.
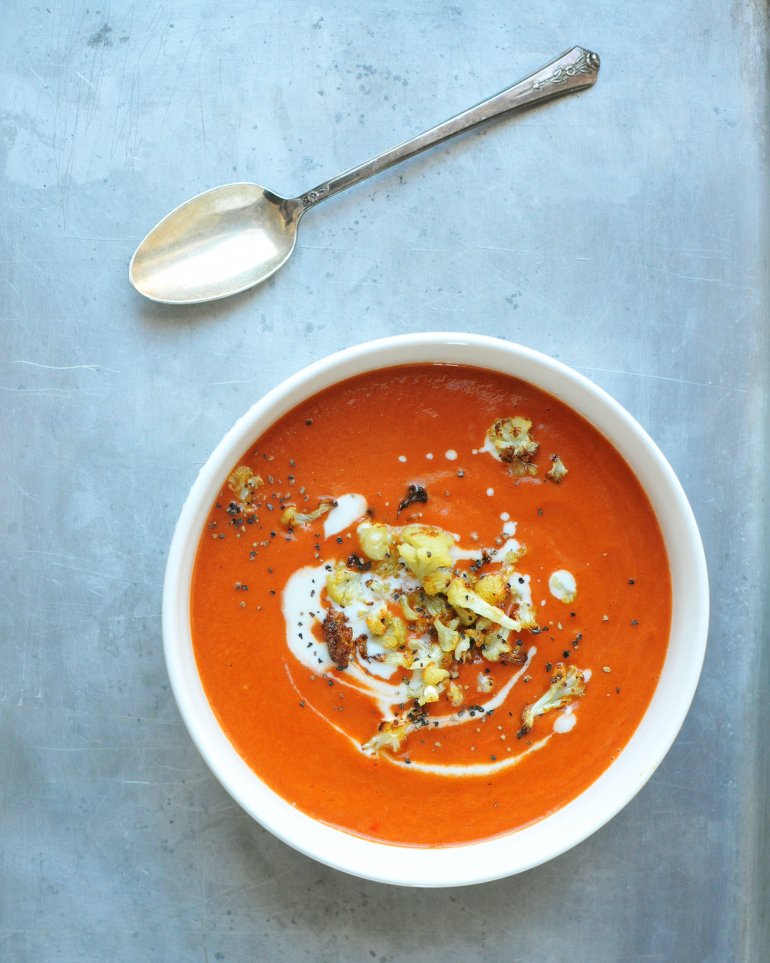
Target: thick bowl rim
[[549, 837]]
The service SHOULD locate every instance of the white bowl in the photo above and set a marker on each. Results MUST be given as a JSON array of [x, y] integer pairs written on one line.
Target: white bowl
[[524, 848]]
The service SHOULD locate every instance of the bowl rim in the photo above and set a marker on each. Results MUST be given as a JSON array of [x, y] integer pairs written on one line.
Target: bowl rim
[[522, 849]]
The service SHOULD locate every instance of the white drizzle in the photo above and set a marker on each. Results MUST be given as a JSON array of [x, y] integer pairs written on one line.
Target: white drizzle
[[349, 508], [562, 586], [565, 721], [452, 771]]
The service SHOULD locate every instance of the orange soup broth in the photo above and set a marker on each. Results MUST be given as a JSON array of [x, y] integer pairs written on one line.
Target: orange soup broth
[[597, 523]]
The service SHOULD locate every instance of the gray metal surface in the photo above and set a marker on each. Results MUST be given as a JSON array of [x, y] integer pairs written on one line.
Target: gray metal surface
[[623, 231]]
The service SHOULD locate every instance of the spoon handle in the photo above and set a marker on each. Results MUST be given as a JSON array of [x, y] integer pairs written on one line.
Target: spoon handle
[[574, 70]]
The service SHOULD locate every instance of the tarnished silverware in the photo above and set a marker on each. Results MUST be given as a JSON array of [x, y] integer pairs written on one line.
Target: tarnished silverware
[[230, 238]]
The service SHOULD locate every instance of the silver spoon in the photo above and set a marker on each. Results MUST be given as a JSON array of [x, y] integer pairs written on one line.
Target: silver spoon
[[230, 238]]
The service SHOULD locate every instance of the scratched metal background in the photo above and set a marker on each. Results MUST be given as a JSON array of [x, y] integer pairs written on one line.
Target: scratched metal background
[[623, 231]]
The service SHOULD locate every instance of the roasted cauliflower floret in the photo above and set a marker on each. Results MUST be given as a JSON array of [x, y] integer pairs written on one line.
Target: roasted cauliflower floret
[[390, 735], [567, 683], [428, 675], [429, 694], [343, 586], [377, 620], [493, 588], [448, 636], [436, 606], [291, 517], [244, 482], [462, 596], [374, 539], [495, 645], [462, 649], [434, 675], [437, 582], [526, 615], [338, 636], [512, 443], [425, 652], [424, 549], [455, 694], [394, 636], [399, 657], [557, 471]]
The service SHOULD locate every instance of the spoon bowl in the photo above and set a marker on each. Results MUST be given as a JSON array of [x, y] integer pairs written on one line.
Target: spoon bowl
[[219, 243], [230, 238]]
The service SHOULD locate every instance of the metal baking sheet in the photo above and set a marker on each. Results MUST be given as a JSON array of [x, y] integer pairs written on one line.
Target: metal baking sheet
[[623, 231]]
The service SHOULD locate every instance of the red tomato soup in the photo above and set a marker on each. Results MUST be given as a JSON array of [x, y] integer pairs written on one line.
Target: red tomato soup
[[430, 605]]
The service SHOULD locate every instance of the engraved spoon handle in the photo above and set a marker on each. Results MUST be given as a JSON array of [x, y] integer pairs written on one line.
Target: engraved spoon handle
[[574, 70]]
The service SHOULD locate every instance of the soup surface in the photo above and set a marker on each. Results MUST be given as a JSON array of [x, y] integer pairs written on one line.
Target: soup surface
[[430, 605]]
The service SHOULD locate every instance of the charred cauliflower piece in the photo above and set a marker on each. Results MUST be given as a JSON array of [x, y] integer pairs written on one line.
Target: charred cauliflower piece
[[512, 443], [390, 735], [338, 636], [566, 684], [557, 471]]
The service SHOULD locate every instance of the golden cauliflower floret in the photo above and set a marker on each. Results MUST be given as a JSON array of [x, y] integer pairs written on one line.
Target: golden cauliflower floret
[[437, 582], [448, 636], [493, 588], [377, 620], [343, 585], [424, 652], [399, 657], [425, 549], [513, 444], [390, 735], [455, 694], [291, 516], [466, 616], [462, 596], [495, 646], [374, 539], [526, 615], [394, 636], [244, 482], [462, 649], [436, 606], [429, 694], [567, 683], [434, 675]]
